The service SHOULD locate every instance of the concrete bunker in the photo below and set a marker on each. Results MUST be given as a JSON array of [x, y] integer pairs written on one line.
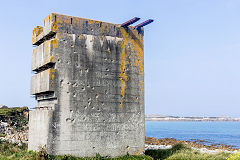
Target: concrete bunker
[[89, 85]]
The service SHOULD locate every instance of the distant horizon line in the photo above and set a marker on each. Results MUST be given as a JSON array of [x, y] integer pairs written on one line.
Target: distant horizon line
[[174, 116]]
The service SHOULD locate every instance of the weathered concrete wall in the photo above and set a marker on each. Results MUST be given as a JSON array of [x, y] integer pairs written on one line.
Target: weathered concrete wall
[[89, 84], [40, 120]]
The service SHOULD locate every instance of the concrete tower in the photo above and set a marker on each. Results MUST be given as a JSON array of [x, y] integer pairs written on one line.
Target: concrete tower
[[89, 85]]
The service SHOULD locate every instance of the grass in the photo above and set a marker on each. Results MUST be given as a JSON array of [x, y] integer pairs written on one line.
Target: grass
[[13, 151], [234, 156], [195, 155], [10, 151]]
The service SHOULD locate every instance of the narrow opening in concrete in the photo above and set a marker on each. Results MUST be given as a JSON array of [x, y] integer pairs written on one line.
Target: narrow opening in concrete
[[45, 67], [45, 93], [49, 36], [48, 95]]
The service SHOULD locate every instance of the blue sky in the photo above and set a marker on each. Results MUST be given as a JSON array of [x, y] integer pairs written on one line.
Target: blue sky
[[192, 50]]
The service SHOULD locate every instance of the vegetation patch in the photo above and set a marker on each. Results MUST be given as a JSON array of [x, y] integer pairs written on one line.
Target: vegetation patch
[[234, 156], [9, 151], [15, 117], [177, 152]]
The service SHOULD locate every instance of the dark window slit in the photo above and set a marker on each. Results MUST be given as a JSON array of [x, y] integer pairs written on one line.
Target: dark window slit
[[43, 96], [45, 38], [47, 93], [45, 67]]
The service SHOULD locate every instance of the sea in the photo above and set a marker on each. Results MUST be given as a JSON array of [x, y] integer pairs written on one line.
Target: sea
[[227, 133]]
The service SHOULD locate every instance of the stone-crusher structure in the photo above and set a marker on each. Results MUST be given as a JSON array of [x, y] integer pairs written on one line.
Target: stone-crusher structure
[[89, 84]]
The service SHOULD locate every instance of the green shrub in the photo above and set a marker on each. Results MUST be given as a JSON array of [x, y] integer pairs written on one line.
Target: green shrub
[[14, 117], [165, 153]]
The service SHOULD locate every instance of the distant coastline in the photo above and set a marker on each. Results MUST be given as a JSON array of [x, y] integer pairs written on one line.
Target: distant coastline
[[157, 117]]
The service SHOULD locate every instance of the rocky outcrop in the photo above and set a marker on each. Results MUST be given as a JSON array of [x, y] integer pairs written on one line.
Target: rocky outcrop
[[14, 124], [195, 143]]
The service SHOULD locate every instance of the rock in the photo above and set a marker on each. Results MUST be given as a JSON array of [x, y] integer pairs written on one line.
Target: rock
[[3, 106], [202, 150], [195, 143], [157, 146]]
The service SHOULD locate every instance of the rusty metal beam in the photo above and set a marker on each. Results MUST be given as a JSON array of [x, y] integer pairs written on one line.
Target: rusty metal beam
[[131, 21], [139, 26]]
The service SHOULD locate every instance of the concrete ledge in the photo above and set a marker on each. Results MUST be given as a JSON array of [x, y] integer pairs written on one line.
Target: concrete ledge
[[43, 82], [42, 55]]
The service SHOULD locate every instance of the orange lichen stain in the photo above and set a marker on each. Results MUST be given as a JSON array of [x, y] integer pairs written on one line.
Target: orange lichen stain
[[57, 21], [81, 36], [141, 85], [97, 23], [136, 43], [54, 43], [90, 22], [138, 51], [52, 73], [51, 58], [132, 41], [102, 28], [123, 76], [76, 18], [54, 26], [47, 20], [51, 21], [36, 32], [109, 51], [94, 23]]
